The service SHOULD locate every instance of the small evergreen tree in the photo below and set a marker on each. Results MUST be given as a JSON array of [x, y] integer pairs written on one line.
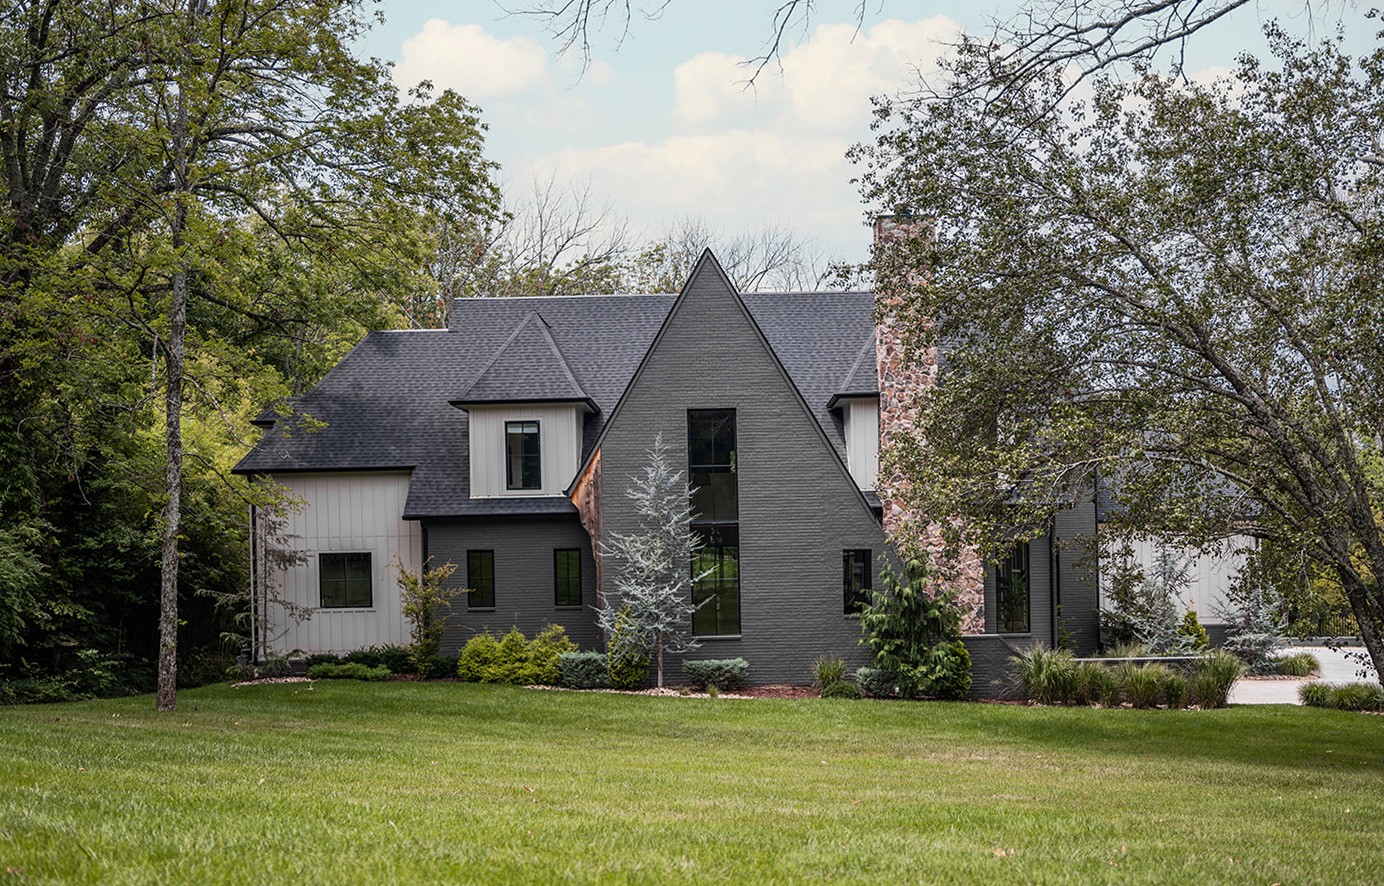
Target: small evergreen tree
[[652, 605], [1253, 618], [914, 633], [1144, 608]]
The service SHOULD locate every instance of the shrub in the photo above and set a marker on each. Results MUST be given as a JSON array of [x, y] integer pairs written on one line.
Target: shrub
[[913, 631], [351, 670], [441, 666], [1254, 624], [1143, 686], [396, 658], [426, 603], [478, 657], [1175, 689], [1143, 608], [318, 658], [828, 671], [1208, 686], [583, 670], [1047, 676], [1304, 664], [628, 659], [876, 683], [723, 673], [514, 659], [841, 689], [1095, 684], [1192, 628]]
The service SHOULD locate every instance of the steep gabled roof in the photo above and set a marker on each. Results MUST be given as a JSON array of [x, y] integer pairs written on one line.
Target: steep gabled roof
[[862, 379], [386, 405], [528, 367]]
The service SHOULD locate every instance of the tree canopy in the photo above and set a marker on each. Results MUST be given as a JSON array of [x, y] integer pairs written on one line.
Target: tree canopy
[[1171, 288]]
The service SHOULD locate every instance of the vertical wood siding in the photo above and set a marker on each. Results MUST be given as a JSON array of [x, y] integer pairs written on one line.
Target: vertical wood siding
[[862, 441], [559, 442], [1210, 573], [346, 513]]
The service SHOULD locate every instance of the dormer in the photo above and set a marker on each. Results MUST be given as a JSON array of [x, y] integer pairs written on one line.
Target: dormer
[[527, 414], [857, 400]]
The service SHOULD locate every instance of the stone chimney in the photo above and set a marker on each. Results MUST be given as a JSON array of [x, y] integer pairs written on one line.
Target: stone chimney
[[904, 373]]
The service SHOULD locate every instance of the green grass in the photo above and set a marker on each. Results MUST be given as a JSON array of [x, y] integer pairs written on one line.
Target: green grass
[[356, 782]]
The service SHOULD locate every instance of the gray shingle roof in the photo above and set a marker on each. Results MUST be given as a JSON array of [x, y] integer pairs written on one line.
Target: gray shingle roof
[[387, 404]]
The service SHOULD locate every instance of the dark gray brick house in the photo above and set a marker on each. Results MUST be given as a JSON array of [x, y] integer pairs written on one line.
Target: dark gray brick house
[[505, 443]]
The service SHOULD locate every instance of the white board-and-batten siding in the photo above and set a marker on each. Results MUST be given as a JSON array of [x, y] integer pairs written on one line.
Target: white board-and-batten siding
[[559, 447], [861, 426], [346, 513], [1209, 574]]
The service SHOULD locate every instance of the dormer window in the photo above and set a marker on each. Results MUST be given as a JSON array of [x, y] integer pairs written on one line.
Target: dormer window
[[523, 465]]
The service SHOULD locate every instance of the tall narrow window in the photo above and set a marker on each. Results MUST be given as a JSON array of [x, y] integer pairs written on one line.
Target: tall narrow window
[[523, 467], [567, 576], [480, 577], [855, 579], [344, 581], [716, 519], [1011, 591]]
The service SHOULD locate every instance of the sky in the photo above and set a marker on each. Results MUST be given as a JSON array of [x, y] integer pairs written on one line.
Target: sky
[[661, 127]]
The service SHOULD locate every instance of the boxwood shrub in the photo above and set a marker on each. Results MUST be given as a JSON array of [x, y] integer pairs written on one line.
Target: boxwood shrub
[[723, 673], [351, 670], [583, 670]]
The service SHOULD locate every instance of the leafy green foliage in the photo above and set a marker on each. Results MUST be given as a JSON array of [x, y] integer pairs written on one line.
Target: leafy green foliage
[[626, 654], [842, 689], [1198, 639], [1143, 608], [913, 630], [396, 658], [724, 674], [1168, 282], [583, 670], [426, 602], [351, 670], [876, 683], [515, 659], [1254, 619]]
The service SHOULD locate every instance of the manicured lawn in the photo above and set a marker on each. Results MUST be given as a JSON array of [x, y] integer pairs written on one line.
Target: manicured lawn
[[354, 782]]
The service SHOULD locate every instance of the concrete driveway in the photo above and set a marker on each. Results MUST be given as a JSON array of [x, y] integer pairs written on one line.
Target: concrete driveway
[[1337, 667]]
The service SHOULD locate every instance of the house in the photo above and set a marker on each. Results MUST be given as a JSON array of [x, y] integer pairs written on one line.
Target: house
[[504, 444]]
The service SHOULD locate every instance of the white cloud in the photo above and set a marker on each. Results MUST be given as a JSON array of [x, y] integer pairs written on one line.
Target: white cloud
[[472, 62]]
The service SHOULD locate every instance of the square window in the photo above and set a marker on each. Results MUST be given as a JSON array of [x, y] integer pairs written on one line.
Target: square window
[[345, 581], [523, 465], [480, 577], [855, 579], [567, 577]]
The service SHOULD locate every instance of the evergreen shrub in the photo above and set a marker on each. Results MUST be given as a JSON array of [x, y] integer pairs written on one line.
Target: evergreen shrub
[[842, 689], [876, 683], [351, 670], [723, 673], [583, 670]]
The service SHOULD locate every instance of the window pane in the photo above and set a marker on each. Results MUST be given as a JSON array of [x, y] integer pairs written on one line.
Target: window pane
[[523, 464], [480, 575], [345, 581], [856, 579], [1011, 592], [716, 582], [567, 576], [715, 497]]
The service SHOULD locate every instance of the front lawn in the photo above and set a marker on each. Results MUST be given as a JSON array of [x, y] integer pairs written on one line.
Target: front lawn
[[356, 782]]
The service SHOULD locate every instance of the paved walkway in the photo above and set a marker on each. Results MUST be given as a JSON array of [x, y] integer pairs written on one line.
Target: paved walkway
[[1336, 668]]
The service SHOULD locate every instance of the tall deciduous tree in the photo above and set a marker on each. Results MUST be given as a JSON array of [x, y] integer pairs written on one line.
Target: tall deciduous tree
[[1175, 286]]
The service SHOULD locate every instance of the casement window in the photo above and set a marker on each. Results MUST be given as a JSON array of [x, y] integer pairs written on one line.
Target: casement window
[[716, 519], [567, 576], [1011, 592], [856, 580], [345, 581], [480, 577], [523, 465]]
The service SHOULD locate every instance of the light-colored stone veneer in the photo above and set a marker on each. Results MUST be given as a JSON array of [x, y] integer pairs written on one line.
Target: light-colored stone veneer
[[903, 376]]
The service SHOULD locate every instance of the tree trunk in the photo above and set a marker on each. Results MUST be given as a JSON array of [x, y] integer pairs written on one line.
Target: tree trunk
[[658, 653]]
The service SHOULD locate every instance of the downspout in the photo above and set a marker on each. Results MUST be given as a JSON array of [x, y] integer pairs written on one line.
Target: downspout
[[254, 584], [1054, 584]]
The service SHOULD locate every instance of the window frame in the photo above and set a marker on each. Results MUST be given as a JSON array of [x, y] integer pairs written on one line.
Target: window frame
[[709, 527], [471, 578], [854, 599], [345, 581], [524, 456], [560, 573]]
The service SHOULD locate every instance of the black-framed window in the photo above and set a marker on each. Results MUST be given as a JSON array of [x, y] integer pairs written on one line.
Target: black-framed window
[[1011, 592], [480, 577], [716, 582], [523, 465], [567, 576], [345, 581], [716, 519], [856, 580]]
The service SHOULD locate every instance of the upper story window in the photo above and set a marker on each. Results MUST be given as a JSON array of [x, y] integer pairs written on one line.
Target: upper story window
[[523, 465]]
